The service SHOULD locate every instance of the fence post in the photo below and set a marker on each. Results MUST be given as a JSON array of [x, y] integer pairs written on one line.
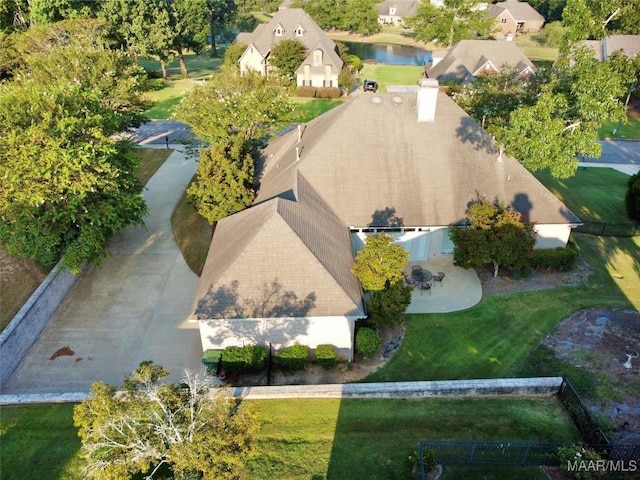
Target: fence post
[[604, 227], [473, 452], [526, 454]]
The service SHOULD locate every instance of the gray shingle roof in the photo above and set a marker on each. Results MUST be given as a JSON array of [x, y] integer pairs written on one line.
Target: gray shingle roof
[[281, 258], [465, 57], [403, 8], [364, 159], [263, 37], [520, 11], [629, 44]]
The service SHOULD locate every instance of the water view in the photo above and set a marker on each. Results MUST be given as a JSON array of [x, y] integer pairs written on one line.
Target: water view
[[389, 54]]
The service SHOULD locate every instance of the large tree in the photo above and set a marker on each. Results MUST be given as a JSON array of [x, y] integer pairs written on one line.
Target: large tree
[[494, 233], [67, 184], [191, 429], [286, 56], [385, 307], [224, 180], [455, 20], [380, 262], [249, 106]]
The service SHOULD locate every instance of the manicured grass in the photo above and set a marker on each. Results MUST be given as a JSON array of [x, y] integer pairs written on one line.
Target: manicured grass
[[534, 48], [150, 161], [39, 442], [302, 439], [495, 338], [373, 438], [594, 194], [198, 66], [387, 75], [164, 108], [192, 233], [625, 131], [314, 107]]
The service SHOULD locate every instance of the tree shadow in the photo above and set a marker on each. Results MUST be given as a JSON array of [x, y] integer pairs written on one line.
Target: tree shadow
[[270, 315], [470, 132], [386, 218]]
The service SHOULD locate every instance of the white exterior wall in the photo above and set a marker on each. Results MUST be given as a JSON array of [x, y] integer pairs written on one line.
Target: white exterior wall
[[251, 59], [552, 236], [280, 332]]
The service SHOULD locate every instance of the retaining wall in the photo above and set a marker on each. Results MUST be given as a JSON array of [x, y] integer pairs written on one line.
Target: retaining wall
[[34, 315]]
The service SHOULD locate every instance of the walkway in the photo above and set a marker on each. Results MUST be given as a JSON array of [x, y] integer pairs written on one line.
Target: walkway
[[628, 168], [132, 308]]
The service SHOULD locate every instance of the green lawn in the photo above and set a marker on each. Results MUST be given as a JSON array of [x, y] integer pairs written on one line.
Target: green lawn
[[150, 160], [303, 439], [626, 131], [387, 75], [594, 194], [314, 107]]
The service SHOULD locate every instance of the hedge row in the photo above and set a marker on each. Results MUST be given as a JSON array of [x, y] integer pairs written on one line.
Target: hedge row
[[326, 356], [318, 92], [247, 359], [294, 357], [561, 258]]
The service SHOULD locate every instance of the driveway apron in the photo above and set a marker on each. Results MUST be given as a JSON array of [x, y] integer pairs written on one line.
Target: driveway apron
[[133, 307]]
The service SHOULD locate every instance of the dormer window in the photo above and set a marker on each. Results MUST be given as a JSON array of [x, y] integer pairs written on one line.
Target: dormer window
[[279, 31], [299, 31], [392, 10]]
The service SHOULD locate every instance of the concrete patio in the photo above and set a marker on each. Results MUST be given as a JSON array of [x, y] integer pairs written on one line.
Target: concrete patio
[[460, 289]]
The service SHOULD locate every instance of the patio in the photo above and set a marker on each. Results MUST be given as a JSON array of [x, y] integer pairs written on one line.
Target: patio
[[460, 289]]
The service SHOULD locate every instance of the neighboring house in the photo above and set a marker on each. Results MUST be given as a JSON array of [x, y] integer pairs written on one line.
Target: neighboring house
[[322, 65], [406, 163], [393, 12], [513, 17], [629, 44], [468, 59]]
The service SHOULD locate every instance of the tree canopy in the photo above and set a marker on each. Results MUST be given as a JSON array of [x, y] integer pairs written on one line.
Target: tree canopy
[[455, 20], [495, 233], [67, 184], [191, 429], [286, 56], [385, 307], [355, 16], [379, 262]]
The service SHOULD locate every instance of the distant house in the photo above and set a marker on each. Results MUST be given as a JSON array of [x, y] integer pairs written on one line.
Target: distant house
[[405, 163], [470, 58], [322, 65], [513, 17], [393, 12], [629, 44]]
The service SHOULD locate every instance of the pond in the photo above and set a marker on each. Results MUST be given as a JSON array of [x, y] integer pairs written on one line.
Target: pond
[[389, 54]]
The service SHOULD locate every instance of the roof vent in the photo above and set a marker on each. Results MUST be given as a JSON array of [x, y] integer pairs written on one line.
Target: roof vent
[[376, 100], [396, 100]]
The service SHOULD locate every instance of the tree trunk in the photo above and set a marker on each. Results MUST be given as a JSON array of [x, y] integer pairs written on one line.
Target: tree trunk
[[212, 22], [496, 266], [183, 65], [163, 66]]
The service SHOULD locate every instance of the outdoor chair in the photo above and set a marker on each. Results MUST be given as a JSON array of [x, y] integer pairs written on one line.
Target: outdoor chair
[[425, 286], [439, 277], [410, 281]]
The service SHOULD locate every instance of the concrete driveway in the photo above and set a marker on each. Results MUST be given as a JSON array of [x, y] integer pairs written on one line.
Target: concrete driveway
[[130, 309]]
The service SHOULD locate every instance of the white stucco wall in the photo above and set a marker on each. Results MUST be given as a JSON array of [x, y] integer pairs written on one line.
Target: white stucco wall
[[552, 236], [280, 332], [251, 59]]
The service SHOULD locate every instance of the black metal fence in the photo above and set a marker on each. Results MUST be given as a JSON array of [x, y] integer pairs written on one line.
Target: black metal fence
[[470, 453], [605, 229]]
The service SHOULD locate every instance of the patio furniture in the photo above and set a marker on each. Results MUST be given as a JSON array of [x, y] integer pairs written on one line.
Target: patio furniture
[[419, 274], [438, 278], [410, 281], [425, 286]]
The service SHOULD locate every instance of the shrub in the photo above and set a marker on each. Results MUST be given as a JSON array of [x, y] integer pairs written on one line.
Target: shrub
[[632, 197], [386, 307], [326, 356], [250, 358], [575, 459], [367, 341], [561, 258], [309, 92], [328, 92], [294, 357]]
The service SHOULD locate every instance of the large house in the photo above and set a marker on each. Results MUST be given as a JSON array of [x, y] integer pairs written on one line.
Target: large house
[[406, 163], [393, 12], [513, 17], [322, 65], [468, 59]]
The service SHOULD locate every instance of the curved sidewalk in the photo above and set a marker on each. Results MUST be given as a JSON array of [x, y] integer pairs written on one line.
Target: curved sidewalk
[[130, 309]]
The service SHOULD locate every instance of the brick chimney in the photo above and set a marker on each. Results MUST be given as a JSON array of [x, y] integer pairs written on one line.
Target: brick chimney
[[427, 99]]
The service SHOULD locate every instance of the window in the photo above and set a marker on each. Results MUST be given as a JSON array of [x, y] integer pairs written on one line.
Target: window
[[299, 31], [392, 10], [279, 31], [503, 20]]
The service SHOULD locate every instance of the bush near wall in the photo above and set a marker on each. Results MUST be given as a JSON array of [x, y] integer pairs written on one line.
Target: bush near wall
[[250, 358], [309, 92], [561, 258], [367, 341], [326, 356], [328, 92], [294, 357]]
